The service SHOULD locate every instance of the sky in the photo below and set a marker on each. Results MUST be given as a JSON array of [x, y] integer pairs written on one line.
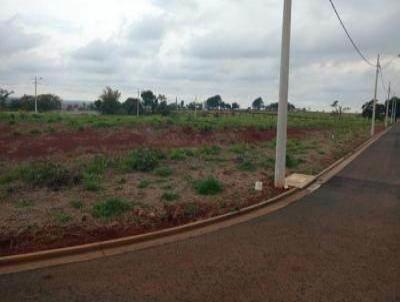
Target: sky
[[193, 49]]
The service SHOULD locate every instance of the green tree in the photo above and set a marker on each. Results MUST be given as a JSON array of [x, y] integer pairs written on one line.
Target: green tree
[[235, 105], [274, 107], [130, 106], [380, 110], [338, 109], [163, 108], [110, 101], [4, 94], [46, 102], [214, 102], [258, 103], [150, 100]]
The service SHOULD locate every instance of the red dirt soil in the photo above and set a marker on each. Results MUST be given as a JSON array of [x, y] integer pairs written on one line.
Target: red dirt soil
[[89, 141], [55, 236]]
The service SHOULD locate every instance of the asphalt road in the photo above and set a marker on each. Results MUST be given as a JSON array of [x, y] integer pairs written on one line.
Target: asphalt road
[[341, 243]]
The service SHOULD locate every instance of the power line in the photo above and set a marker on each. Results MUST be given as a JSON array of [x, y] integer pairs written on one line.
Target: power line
[[349, 36], [382, 80]]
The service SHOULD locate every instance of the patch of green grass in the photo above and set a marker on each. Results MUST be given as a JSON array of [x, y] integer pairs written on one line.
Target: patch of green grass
[[163, 171], [23, 204], [177, 154], [35, 132], [268, 162], [97, 166], [170, 196], [143, 160], [210, 150], [144, 183], [10, 176], [245, 162], [208, 186], [292, 162], [61, 217], [47, 174], [239, 148], [110, 208], [77, 204], [92, 182], [180, 154]]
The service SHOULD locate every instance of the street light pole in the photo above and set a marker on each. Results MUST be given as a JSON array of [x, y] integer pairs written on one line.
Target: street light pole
[[138, 103], [375, 96], [387, 108], [281, 131], [36, 82]]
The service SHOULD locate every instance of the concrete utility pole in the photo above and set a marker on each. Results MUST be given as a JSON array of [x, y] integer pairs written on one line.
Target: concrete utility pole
[[138, 103], [36, 84], [387, 108], [281, 131], [375, 96]]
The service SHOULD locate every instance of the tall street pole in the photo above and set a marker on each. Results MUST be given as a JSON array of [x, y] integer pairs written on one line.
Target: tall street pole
[[375, 96], [138, 103], [281, 131], [387, 108], [36, 82]]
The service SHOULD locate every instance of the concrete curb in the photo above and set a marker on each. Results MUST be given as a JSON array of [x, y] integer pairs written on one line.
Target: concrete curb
[[120, 242]]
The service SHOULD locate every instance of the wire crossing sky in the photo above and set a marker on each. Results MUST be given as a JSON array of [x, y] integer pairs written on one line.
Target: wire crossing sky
[[189, 48]]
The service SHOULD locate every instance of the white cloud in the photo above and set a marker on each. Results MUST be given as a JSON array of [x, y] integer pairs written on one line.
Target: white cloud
[[196, 48]]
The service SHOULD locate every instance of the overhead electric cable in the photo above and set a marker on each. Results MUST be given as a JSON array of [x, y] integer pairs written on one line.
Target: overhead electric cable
[[349, 36]]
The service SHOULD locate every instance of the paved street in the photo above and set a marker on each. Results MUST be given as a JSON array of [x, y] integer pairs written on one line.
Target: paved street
[[341, 243]]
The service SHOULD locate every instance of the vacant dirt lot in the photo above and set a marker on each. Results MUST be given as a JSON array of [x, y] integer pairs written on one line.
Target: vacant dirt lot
[[63, 185]]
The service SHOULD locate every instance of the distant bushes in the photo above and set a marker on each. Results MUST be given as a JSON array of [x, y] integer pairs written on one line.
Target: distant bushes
[[45, 102]]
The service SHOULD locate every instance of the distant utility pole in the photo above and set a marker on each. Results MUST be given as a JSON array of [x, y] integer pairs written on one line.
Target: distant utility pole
[[195, 107], [281, 131], [138, 103], [375, 96], [36, 84], [387, 108]]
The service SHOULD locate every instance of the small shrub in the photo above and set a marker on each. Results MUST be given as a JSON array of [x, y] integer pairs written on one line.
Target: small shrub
[[62, 217], [91, 182], [143, 184], [23, 204], [292, 162], [9, 177], [238, 148], [143, 160], [170, 196], [97, 166], [210, 150], [110, 208], [177, 154], [48, 174], [208, 186], [268, 162], [35, 132], [77, 204], [247, 165], [163, 171]]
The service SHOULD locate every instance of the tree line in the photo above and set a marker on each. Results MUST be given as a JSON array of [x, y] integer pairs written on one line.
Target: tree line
[[45, 102]]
